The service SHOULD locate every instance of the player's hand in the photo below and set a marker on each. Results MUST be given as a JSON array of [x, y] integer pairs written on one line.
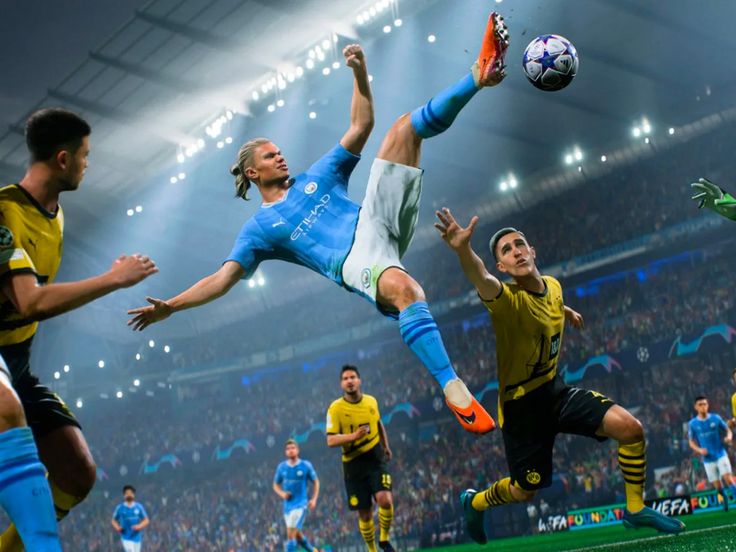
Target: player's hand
[[286, 495], [454, 235], [728, 439], [312, 504], [145, 316], [574, 318], [128, 270], [389, 454], [135, 527], [713, 197], [362, 431], [354, 56], [731, 423], [703, 452]]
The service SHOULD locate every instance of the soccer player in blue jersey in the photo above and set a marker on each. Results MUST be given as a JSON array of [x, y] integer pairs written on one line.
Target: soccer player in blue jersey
[[130, 519], [291, 483], [311, 221], [707, 434]]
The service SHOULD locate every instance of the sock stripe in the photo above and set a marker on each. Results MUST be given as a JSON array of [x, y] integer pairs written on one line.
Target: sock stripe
[[623, 464], [427, 121], [409, 331], [420, 333], [633, 472], [39, 471], [435, 119], [641, 456]]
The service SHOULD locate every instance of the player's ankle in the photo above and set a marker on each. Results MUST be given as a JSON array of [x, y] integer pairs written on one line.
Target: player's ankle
[[457, 393]]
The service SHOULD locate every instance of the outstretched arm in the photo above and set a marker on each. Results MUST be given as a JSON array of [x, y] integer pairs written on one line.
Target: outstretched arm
[[206, 290], [34, 302], [715, 198], [361, 108], [458, 239]]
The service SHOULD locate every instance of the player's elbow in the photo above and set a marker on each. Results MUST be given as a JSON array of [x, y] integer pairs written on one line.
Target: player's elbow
[[332, 441]]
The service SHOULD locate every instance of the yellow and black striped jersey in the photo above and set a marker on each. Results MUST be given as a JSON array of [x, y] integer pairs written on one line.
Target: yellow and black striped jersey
[[344, 417], [31, 241], [733, 405], [528, 330]]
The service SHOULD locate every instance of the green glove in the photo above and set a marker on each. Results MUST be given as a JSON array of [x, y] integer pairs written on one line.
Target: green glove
[[714, 198]]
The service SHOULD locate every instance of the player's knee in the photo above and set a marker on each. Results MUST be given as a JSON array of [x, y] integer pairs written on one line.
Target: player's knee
[[384, 500], [82, 475], [633, 431], [11, 410]]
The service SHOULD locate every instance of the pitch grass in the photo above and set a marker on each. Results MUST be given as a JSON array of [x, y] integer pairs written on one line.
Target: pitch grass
[[714, 532]]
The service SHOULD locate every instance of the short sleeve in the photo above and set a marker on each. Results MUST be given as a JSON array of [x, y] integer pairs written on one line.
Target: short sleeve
[[116, 513], [144, 514], [502, 303], [722, 423], [13, 257], [337, 165], [278, 477], [312, 473], [690, 434], [332, 424], [248, 249]]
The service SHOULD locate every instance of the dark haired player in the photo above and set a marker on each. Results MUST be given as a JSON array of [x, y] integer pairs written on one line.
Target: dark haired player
[[534, 403], [354, 423], [129, 519], [31, 230]]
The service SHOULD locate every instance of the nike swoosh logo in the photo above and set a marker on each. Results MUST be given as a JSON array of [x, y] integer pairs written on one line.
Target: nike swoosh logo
[[468, 419]]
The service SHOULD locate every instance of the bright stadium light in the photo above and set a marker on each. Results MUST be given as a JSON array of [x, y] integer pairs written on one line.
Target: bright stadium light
[[568, 159], [100, 363], [261, 281], [398, 22], [167, 349], [255, 95], [604, 158], [646, 128], [636, 132], [271, 108], [503, 186], [578, 154], [290, 77], [251, 283], [180, 157], [119, 394], [312, 115], [299, 71], [137, 356], [229, 115], [646, 140], [220, 144], [325, 43], [229, 140], [137, 382], [182, 175], [335, 64], [325, 71], [57, 375], [359, 20], [671, 131], [431, 39], [173, 180], [264, 88], [130, 212], [513, 183], [309, 63], [67, 368], [280, 103], [80, 404], [151, 343], [387, 29], [139, 208]]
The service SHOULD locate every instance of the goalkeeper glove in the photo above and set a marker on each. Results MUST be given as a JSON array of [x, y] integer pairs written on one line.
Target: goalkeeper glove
[[714, 198]]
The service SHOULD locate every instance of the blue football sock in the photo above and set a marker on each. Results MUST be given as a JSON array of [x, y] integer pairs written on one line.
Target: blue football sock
[[732, 490], [305, 544], [24, 491], [419, 331], [291, 545], [437, 114]]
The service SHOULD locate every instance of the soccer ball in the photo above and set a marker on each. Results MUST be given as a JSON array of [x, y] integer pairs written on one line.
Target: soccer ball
[[550, 62]]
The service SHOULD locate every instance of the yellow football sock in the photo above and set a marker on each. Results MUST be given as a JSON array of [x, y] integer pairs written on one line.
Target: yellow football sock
[[497, 494], [632, 459], [385, 517], [10, 540], [368, 530], [63, 501]]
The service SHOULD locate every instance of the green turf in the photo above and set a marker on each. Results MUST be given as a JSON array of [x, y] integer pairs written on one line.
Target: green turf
[[712, 532]]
